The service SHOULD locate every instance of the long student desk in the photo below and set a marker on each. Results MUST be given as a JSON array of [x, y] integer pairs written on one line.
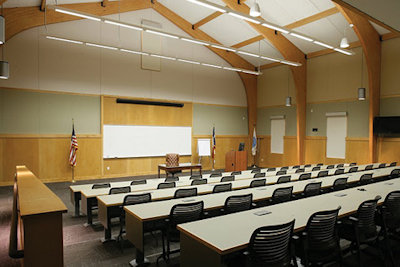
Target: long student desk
[[180, 167], [76, 190], [138, 216], [207, 242], [88, 196]]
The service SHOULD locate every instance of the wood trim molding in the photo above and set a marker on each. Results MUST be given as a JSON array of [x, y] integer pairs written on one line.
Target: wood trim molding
[[310, 137], [366, 139], [206, 19], [196, 136]]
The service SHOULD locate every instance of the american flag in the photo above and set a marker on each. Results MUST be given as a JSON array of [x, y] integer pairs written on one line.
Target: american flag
[[213, 143], [73, 148]]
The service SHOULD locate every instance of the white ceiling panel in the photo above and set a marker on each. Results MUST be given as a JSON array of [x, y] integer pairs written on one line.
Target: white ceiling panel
[[379, 29], [322, 4], [229, 30], [341, 24], [21, 3]]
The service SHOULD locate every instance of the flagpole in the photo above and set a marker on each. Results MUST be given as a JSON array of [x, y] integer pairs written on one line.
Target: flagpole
[[72, 166]]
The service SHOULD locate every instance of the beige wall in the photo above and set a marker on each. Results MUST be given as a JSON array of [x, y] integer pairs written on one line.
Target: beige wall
[[390, 80]]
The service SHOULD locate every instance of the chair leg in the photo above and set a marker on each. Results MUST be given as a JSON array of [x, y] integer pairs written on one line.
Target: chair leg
[[358, 253], [163, 255]]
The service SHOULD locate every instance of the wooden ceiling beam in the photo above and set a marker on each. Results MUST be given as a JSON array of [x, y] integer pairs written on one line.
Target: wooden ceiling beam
[[207, 19], [249, 41], [371, 44], [289, 52], [43, 5], [249, 81], [104, 3]]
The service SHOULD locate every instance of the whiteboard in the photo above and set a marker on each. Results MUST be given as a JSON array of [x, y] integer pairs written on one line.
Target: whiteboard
[[203, 147], [336, 132], [277, 134], [131, 141]]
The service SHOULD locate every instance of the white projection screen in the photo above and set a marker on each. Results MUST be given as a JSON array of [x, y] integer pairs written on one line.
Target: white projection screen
[[336, 132], [277, 134], [132, 141]]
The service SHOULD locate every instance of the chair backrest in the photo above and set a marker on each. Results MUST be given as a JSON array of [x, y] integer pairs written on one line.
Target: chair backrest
[[281, 172], [166, 185], [341, 165], [320, 164], [199, 181], [369, 167], [312, 189], [135, 182], [307, 166], [136, 199], [229, 178], [300, 170], [263, 248], [330, 167], [393, 164], [321, 228], [353, 164], [395, 173], [259, 175], [216, 174], [196, 176], [282, 194], [222, 188], [296, 167], [271, 169], [258, 182], [316, 168], [284, 179], [366, 179], [187, 212], [339, 171], [391, 210], [284, 168], [323, 173], [98, 186], [353, 169], [185, 192], [366, 219], [236, 173], [340, 184], [171, 179], [382, 165], [238, 203], [305, 176], [119, 190], [255, 170]]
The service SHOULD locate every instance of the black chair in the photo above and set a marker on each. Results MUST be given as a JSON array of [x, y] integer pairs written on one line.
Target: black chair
[[120, 190], [353, 169], [281, 195], [222, 188], [229, 178], [365, 179], [284, 179], [395, 173], [281, 172], [320, 164], [316, 168], [341, 165], [307, 166], [263, 249], [236, 173], [166, 185], [186, 192], [305, 176], [271, 169], [136, 182], [320, 242], [353, 164], [296, 167], [255, 170], [258, 182], [284, 168], [361, 228], [330, 167], [300, 170], [180, 213], [171, 179], [130, 200], [339, 184], [368, 167], [259, 175], [393, 164], [216, 174], [322, 174], [237, 203], [196, 176], [312, 189], [199, 181], [339, 171], [382, 165], [98, 186]]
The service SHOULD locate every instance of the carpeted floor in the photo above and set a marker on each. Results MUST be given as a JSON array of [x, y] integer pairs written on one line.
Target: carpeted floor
[[82, 245]]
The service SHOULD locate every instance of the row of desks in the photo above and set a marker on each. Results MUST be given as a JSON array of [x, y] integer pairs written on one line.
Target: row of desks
[[139, 215]]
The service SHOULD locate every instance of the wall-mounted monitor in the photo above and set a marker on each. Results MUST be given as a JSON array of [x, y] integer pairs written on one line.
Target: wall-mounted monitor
[[387, 126]]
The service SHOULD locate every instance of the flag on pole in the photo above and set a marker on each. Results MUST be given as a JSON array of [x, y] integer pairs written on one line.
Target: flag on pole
[[73, 148], [254, 144], [213, 143]]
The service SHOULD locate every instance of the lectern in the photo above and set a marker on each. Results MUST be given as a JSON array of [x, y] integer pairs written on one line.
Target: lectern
[[235, 161]]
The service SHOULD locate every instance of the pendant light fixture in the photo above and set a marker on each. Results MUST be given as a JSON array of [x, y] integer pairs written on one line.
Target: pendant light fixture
[[255, 9], [288, 98], [361, 90], [344, 43]]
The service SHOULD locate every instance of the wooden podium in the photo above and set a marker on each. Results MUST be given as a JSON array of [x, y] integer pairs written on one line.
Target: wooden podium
[[235, 161]]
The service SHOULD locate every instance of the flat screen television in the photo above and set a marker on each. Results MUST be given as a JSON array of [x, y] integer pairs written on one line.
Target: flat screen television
[[241, 146], [387, 126]]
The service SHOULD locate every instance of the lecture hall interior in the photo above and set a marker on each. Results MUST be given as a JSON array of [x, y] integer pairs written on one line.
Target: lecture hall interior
[[199, 133]]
